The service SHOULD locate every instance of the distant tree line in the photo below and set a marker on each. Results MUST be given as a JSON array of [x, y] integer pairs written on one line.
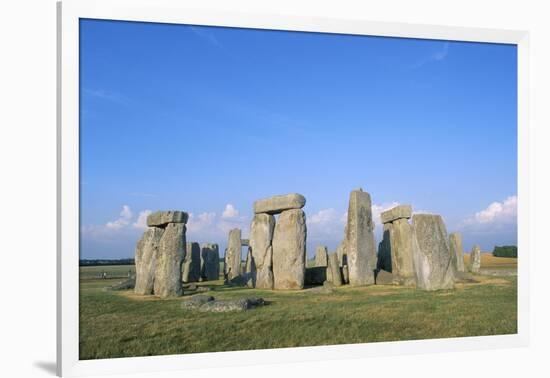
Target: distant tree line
[[505, 251], [100, 262]]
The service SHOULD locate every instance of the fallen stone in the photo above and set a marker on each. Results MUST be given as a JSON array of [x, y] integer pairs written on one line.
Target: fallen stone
[[455, 244], [475, 259], [321, 256], [231, 305], [289, 250], [196, 301], [431, 253], [210, 262], [384, 278], [162, 218], [192, 262], [278, 204], [232, 266], [128, 284], [171, 251], [261, 236], [360, 244], [398, 212], [146, 260]]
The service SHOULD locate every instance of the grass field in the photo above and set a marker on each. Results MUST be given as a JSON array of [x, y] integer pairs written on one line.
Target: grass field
[[121, 324]]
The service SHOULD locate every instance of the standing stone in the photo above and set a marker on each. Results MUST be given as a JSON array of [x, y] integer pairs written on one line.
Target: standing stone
[[341, 251], [210, 262], [334, 274], [261, 236], [321, 256], [146, 260], [475, 259], [360, 245], [345, 274], [232, 267], [192, 262], [170, 257], [455, 243], [431, 253], [278, 204], [401, 245], [289, 250]]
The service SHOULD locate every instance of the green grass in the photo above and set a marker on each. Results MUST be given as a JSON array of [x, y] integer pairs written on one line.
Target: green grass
[[113, 271], [121, 324]]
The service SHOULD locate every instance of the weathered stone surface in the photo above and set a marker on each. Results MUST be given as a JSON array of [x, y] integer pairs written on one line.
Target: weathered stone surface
[[384, 250], [261, 236], [384, 278], [192, 262], [245, 242], [401, 245], [210, 262], [334, 274], [289, 250], [232, 268], [315, 275], [231, 305], [162, 218], [321, 256], [196, 301], [360, 244], [475, 259], [341, 251], [171, 252], [278, 204], [398, 212], [128, 284], [455, 243], [146, 260], [345, 274], [431, 253]]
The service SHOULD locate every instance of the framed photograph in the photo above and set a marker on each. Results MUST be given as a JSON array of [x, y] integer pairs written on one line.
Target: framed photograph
[[239, 187]]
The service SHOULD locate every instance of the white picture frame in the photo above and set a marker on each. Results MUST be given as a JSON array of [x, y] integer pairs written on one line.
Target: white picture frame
[[173, 11]]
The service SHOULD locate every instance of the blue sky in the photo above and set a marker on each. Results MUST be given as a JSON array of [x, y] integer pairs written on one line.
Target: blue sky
[[208, 119]]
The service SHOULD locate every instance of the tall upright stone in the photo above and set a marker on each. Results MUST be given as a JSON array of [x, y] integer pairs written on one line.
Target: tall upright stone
[[401, 241], [360, 244], [321, 256], [232, 268], [455, 243], [249, 269], [289, 250], [261, 236], [334, 273], [210, 262], [432, 258], [146, 260], [475, 259], [171, 253], [191, 270]]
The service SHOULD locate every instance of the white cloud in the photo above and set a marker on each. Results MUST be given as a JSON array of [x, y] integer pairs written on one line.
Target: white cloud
[[323, 216], [436, 56], [496, 213], [141, 221], [123, 220], [379, 209], [230, 212]]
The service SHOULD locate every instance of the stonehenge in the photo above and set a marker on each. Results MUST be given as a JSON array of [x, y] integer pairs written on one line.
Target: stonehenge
[[396, 249], [278, 248], [159, 254], [475, 259], [432, 258], [360, 244], [415, 250]]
